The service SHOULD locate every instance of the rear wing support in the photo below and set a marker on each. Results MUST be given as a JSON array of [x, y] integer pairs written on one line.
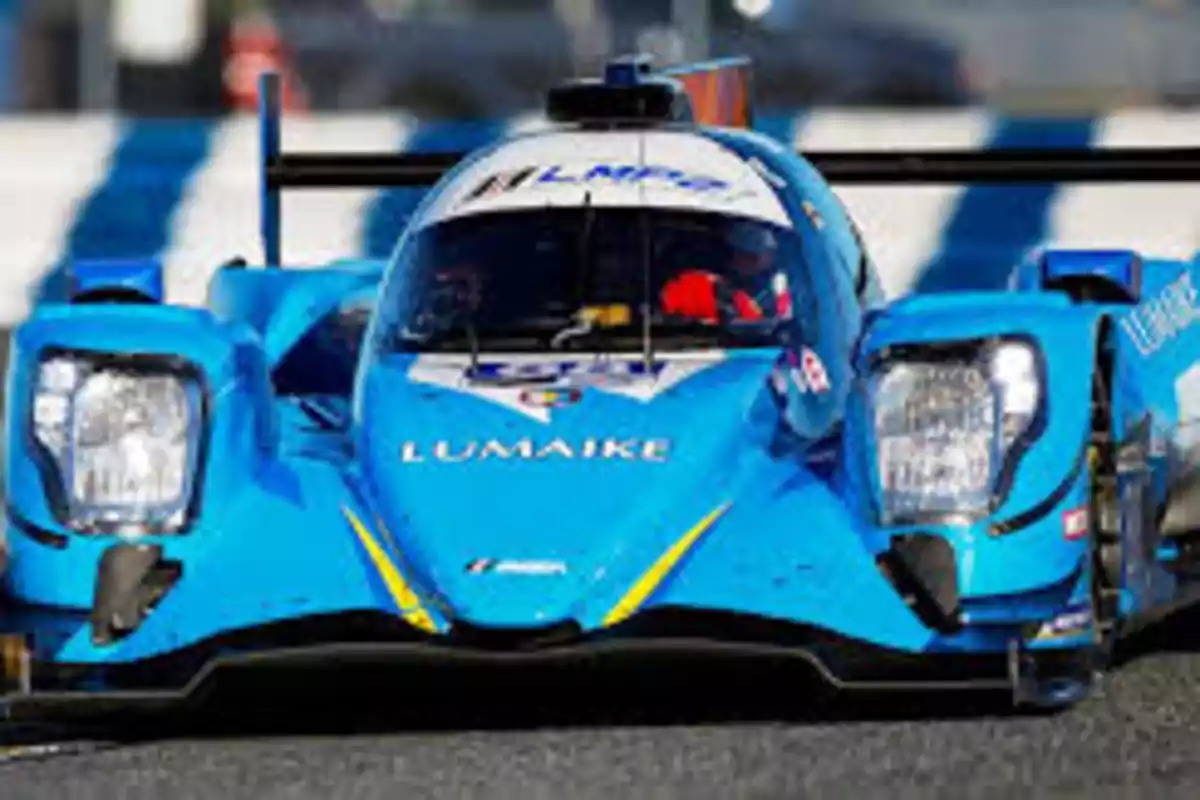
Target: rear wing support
[[270, 113], [279, 170]]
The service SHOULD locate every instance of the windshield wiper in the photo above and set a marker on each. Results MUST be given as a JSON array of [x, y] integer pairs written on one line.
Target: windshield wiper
[[473, 343], [582, 323], [647, 311]]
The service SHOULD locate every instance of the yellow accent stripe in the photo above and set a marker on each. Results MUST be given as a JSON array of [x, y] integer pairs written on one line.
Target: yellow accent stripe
[[406, 599], [650, 580]]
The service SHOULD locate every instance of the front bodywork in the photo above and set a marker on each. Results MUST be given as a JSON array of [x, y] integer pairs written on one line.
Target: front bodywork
[[624, 508]]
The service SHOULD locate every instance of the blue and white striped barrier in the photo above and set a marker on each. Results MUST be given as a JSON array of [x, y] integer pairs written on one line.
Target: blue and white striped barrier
[[187, 192]]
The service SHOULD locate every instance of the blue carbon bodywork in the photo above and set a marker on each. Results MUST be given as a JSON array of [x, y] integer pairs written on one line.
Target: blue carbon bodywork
[[272, 541], [443, 479], [139, 278], [337, 478]]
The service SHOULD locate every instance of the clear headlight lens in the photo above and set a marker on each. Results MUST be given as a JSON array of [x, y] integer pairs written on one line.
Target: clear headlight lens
[[124, 440], [944, 428]]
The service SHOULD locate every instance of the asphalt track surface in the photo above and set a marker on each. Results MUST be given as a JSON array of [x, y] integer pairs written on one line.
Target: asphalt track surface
[[693, 732]]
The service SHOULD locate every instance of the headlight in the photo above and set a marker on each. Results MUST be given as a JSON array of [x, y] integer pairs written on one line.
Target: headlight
[[949, 425], [122, 437]]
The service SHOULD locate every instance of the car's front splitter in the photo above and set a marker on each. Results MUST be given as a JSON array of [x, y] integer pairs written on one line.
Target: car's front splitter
[[671, 640]]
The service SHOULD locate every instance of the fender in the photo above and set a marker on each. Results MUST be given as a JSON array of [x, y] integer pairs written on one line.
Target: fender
[[282, 305], [1048, 478]]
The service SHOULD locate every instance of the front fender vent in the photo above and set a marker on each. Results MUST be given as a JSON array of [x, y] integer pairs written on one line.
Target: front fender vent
[[131, 580], [924, 569], [113, 295]]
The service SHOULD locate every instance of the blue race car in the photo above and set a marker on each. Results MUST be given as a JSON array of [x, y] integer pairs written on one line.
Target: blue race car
[[625, 384]]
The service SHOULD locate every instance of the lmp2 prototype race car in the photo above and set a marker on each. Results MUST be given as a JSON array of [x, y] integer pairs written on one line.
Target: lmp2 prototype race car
[[626, 383]]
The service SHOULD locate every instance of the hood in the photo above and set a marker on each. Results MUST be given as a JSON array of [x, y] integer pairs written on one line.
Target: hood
[[515, 496]]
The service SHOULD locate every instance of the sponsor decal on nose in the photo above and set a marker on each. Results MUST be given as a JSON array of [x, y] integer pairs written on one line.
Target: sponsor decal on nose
[[516, 566], [528, 449], [1073, 621]]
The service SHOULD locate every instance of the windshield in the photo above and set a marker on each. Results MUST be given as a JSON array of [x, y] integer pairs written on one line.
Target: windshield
[[579, 279]]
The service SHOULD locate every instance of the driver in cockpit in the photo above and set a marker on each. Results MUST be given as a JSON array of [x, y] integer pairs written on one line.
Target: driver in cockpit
[[749, 290]]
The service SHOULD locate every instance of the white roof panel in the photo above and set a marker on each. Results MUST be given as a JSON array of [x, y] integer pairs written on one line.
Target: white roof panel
[[658, 169]]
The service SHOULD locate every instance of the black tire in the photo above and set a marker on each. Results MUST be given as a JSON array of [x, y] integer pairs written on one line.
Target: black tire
[[1104, 513], [15, 664]]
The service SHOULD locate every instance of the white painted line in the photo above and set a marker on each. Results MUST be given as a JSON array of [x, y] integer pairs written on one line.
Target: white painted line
[[1156, 219], [50, 167], [219, 216]]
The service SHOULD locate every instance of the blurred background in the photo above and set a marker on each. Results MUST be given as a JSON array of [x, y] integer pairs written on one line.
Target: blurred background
[[476, 58], [125, 128]]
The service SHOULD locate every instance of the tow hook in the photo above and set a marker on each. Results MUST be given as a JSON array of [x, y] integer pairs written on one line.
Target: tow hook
[[16, 670]]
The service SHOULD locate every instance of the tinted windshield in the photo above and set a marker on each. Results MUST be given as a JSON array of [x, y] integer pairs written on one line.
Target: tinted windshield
[[579, 279]]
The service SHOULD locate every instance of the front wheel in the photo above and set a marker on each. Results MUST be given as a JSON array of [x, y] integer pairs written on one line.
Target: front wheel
[[1106, 546], [1054, 679]]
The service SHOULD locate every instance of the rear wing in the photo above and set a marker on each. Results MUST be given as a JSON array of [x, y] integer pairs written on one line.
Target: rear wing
[[720, 95]]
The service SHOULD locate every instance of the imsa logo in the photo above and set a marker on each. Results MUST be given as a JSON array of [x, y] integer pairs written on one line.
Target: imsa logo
[[447, 452]]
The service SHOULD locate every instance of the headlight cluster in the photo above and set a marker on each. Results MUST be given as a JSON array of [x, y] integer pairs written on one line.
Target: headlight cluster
[[946, 425], [122, 438]]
